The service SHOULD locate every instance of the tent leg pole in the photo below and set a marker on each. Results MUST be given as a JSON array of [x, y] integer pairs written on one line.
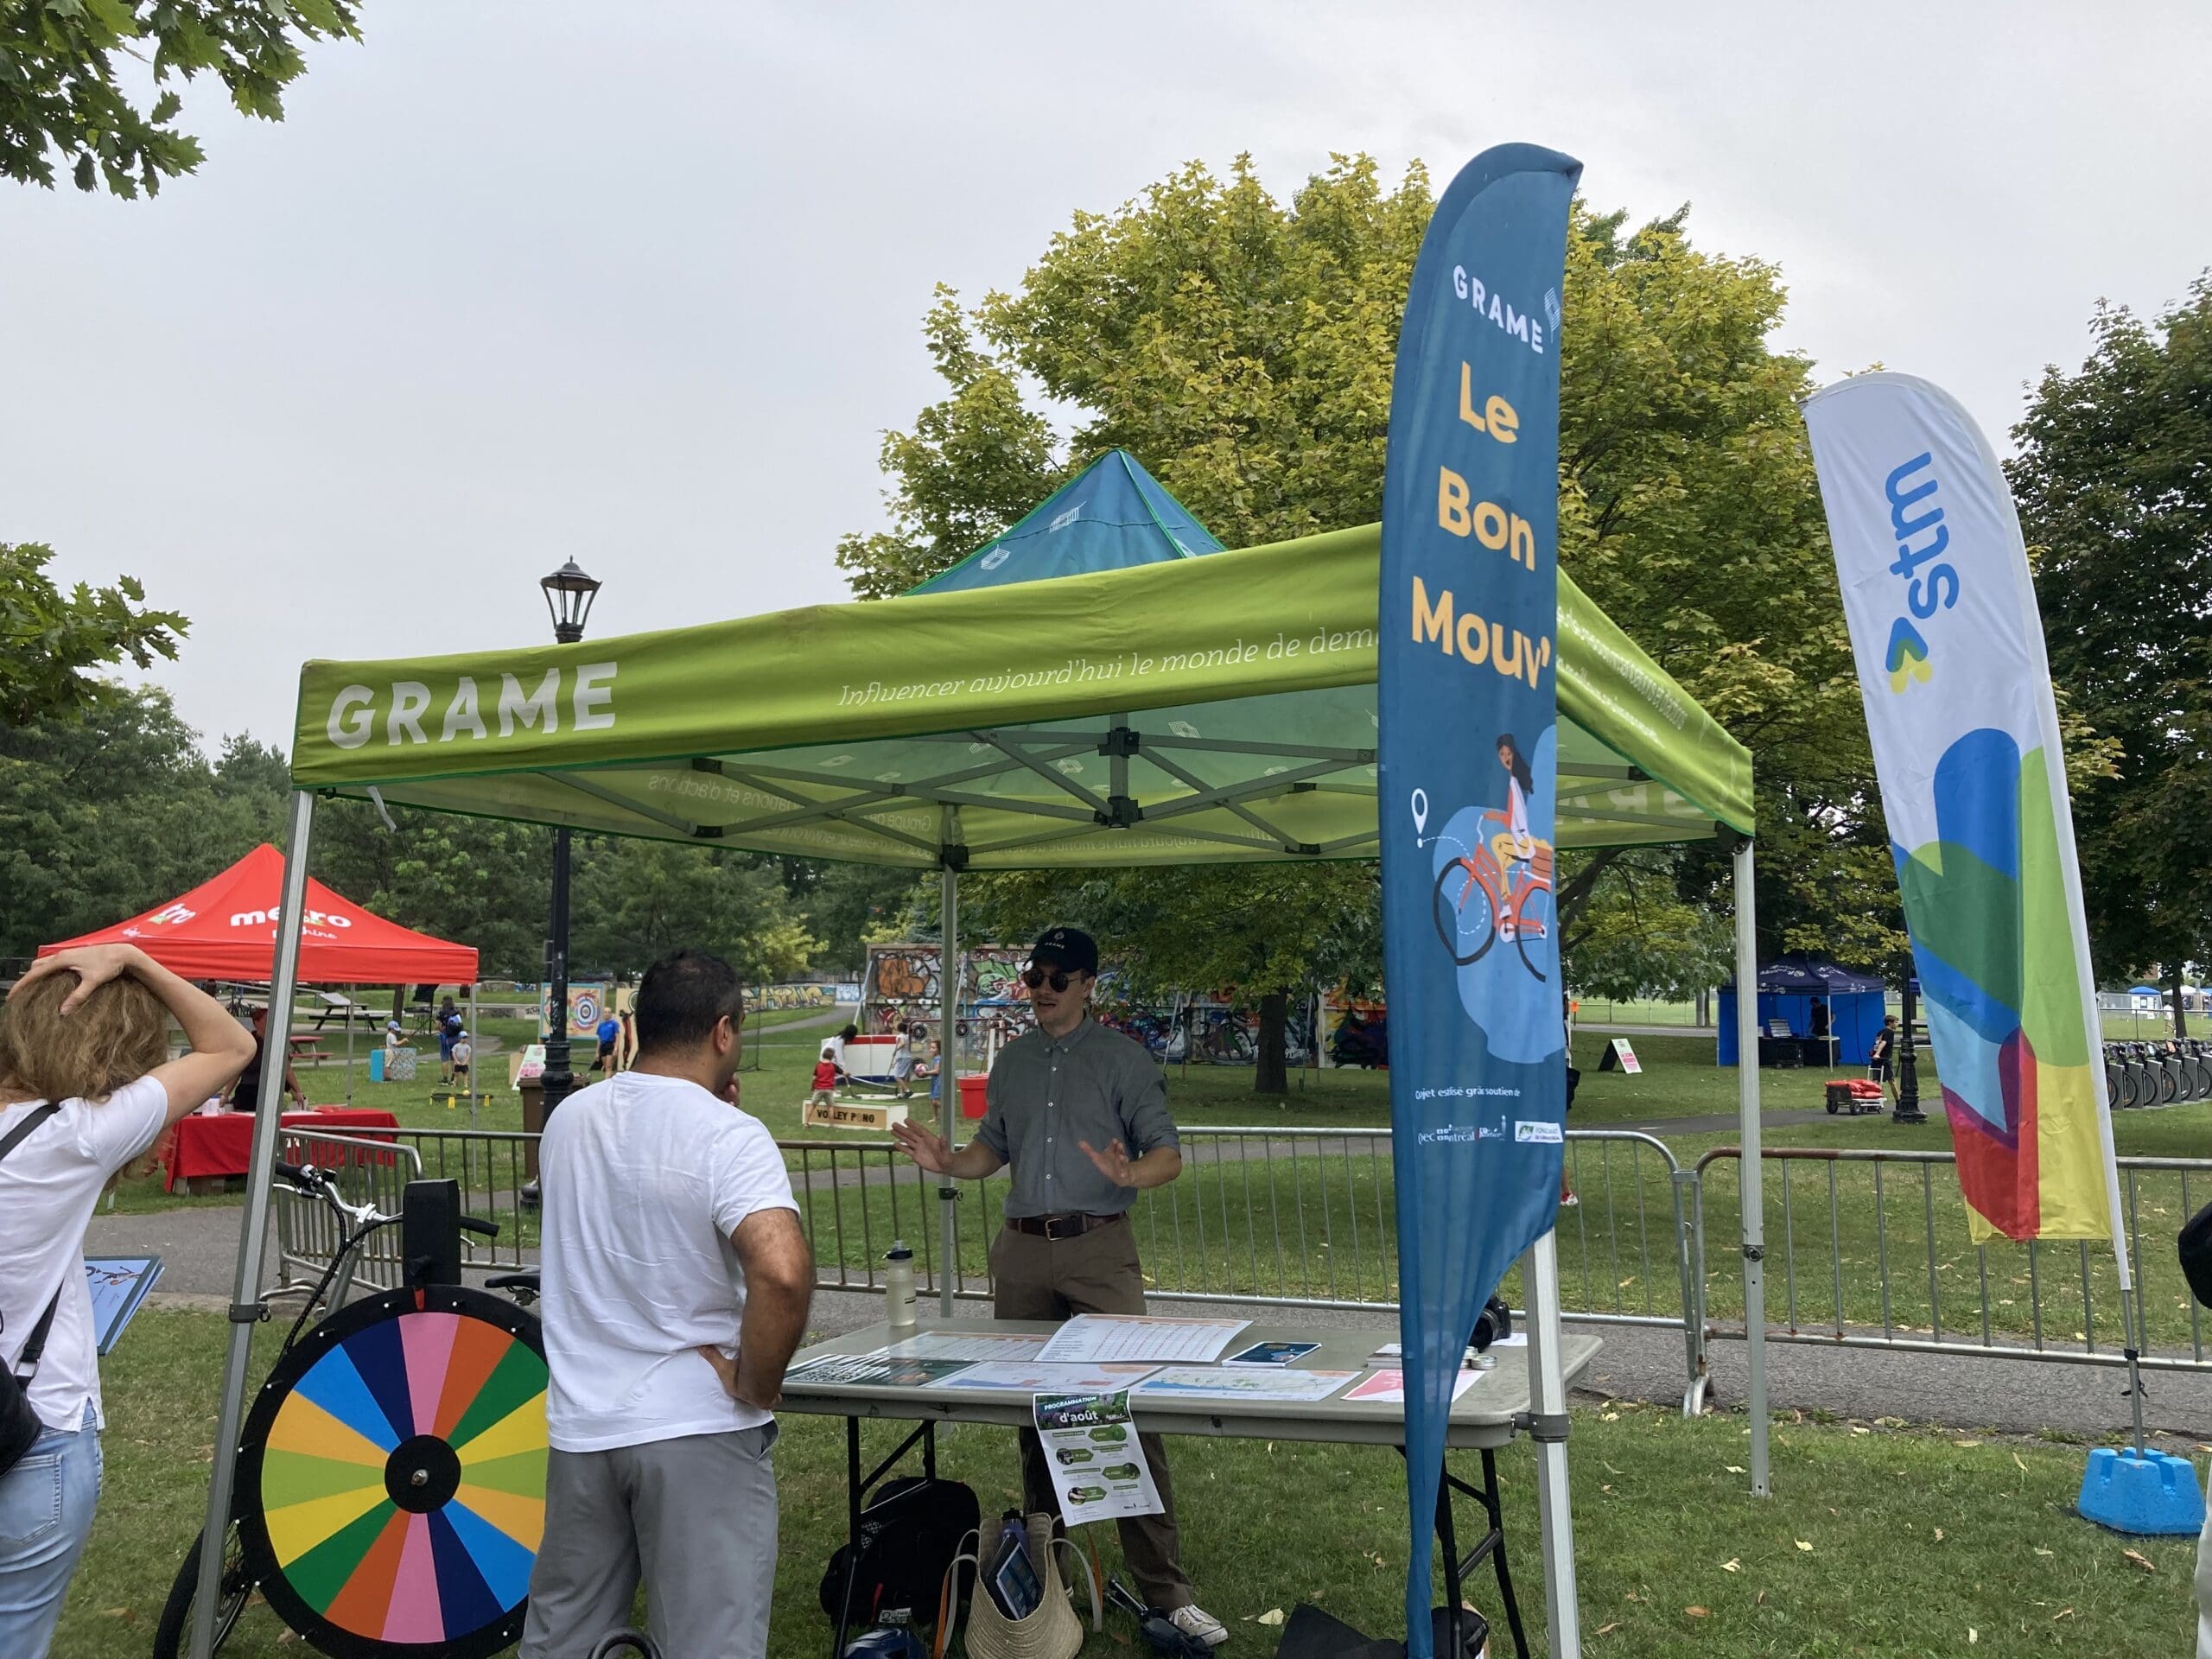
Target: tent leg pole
[[350, 990], [1751, 1170], [253, 1235], [948, 1072], [476, 1042], [1548, 1394]]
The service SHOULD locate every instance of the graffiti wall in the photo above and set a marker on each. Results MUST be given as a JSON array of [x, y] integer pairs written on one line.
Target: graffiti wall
[[811, 994], [899, 986]]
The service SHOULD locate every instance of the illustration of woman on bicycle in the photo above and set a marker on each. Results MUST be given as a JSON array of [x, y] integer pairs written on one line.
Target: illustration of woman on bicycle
[[1514, 848], [1494, 884]]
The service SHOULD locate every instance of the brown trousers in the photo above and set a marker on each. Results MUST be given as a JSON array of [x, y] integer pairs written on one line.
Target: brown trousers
[[1096, 1273]]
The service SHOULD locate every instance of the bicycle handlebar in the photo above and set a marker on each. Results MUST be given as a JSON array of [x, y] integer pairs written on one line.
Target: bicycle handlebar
[[488, 1228]]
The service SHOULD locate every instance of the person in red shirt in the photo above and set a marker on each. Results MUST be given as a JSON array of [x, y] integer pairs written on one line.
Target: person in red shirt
[[825, 1078]]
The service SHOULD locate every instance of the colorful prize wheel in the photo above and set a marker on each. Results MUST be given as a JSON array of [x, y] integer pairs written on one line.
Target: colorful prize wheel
[[392, 1477]]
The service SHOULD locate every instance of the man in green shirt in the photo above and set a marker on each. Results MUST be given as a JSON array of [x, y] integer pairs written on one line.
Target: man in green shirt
[[1079, 1112]]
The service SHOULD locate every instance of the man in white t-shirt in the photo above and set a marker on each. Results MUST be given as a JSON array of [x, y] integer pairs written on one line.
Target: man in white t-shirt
[[676, 1285]]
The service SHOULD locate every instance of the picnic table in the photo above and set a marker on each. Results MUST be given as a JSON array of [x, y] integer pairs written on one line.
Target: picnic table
[[216, 1147]]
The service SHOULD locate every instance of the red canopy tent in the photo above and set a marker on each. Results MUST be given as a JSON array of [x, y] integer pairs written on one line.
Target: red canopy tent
[[225, 928]]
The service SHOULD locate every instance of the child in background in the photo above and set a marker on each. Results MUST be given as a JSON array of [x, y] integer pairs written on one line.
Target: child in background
[[463, 1053], [825, 1078]]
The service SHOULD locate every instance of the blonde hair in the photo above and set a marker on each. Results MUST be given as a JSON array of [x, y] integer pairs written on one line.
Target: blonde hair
[[116, 1036]]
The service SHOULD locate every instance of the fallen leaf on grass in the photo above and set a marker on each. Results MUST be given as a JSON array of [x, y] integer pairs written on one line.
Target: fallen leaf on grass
[[1939, 1534], [1273, 1616], [1698, 1612], [1802, 1545], [1973, 1636], [1966, 1444], [1609, 1416], [1733, 1468], [2140, 1560], [1607, 1630], [1857, 1430], [2040, 1550], [2064, 1613], [1731, 1567], [2024, 1467], [1607, 1467]]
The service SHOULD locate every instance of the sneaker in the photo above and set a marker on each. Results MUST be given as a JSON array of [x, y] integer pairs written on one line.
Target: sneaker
[[1569, 1201], [1199, 1625]]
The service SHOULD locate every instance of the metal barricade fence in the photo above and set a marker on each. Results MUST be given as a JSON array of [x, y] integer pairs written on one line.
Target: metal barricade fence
[[1869, 1246], [372, 1168], [491, 1166], [1872, 1250], [1267, 1216]]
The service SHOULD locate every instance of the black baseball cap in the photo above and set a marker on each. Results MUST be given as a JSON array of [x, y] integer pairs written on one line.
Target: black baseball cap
[[1070, 947]]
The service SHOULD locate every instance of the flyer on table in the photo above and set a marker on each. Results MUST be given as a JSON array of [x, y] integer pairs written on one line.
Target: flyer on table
[[1098, 1468]]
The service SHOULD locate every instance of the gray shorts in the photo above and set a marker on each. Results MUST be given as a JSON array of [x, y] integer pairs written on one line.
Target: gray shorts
[[695, 1517]]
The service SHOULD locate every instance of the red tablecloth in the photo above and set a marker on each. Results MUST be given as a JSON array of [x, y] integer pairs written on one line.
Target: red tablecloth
[[224, 1145]]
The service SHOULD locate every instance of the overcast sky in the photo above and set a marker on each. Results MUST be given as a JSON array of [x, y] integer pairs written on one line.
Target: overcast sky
[[638, 285]]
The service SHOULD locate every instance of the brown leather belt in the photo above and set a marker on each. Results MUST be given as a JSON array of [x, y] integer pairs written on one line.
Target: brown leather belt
[[1072, 1226]]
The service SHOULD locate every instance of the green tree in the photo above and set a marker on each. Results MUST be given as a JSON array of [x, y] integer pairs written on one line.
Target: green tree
[[1243, 349], [2113, 479], [846, 906], [636, 900], [61, 98], [110, 812], [1262, 934], [1636, 935], [479, 881], [51, 641]]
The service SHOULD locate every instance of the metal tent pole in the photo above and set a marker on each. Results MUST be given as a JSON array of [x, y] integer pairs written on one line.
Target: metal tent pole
[[1547, 1397], [1751, 1174], [476, 1050], [349, 1044], [948, 1064], [253, 1233]]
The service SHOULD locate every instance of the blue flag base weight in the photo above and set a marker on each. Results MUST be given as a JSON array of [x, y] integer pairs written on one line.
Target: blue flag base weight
[[2154, 1494]]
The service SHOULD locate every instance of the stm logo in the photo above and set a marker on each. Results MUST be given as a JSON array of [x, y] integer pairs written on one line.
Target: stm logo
[[1914, 514]]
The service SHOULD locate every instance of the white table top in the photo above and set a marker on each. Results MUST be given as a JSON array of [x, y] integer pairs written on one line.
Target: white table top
[[1483, 1416]]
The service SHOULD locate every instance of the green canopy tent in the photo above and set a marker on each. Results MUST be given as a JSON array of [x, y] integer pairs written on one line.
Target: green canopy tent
[[1194, 706]]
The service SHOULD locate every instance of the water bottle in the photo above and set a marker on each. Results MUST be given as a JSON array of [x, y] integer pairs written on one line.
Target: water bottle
[[898, 1285]]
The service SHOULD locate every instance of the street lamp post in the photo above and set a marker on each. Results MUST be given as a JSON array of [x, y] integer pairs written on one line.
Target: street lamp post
[[568, 594], [1908, 1107]]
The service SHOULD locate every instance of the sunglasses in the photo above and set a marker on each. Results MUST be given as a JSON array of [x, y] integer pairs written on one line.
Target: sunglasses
[[1036, 977]]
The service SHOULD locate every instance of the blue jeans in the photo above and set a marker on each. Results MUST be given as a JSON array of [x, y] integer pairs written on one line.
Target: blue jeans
[[46, 1513]]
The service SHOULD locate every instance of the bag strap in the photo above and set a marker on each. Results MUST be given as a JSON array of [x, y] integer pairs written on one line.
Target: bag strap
[[1090, 1578], [22, 1132], [27, 1363], [948, 1597]]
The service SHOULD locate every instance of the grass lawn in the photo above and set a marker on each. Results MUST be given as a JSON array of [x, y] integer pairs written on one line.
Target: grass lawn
[[1879, 1541]]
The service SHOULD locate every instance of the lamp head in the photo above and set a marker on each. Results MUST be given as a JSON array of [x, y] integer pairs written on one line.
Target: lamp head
[[569, 595]]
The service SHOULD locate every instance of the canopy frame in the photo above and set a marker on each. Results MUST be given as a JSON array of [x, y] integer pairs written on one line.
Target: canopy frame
[[1321, 587]]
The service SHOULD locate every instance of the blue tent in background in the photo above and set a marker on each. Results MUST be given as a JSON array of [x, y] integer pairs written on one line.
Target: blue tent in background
[[1109, 516], [1791, 987]]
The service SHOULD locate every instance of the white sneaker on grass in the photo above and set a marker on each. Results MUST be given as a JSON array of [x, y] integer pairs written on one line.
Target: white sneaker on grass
[[1199, 1625]]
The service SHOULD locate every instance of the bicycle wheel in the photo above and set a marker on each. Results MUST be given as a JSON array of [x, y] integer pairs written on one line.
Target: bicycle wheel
[[1536, 917], [172, 1632], [391, 1476], [1464, 920], [2116, 1086], [2169, 1082]]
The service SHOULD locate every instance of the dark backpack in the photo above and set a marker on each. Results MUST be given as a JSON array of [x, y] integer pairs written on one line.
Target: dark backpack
[[908, 1537], [19, 1424]]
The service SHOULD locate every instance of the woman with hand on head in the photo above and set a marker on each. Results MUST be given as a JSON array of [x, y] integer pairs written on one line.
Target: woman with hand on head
[[87, 1085]]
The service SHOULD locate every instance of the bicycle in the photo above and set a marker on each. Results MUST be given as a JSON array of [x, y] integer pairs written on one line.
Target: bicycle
[[1470, 926], [350, 1529]]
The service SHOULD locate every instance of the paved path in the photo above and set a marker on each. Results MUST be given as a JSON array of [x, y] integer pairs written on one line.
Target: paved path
[[1963, 1391]]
